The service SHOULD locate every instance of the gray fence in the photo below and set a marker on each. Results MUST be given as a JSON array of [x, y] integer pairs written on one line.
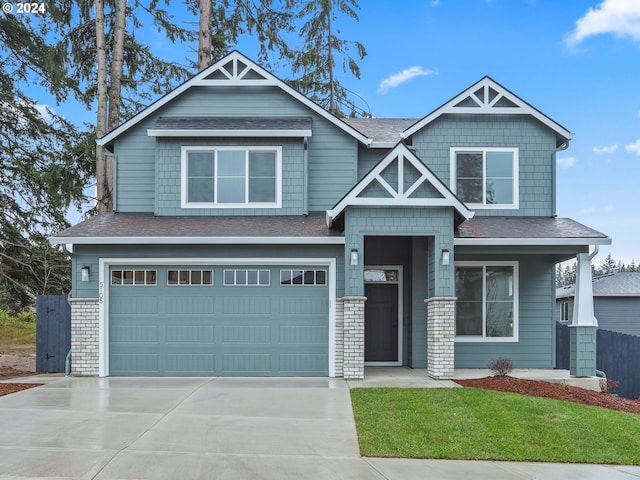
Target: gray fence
[[53, 332], [617, 355]]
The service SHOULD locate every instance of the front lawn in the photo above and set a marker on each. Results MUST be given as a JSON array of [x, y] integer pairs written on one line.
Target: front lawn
[[470, 423]]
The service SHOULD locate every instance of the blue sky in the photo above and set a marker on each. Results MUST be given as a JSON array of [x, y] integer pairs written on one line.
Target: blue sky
[[577, 61]]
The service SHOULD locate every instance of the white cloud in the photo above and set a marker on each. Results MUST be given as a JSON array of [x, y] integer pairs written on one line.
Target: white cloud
[[45, 111], [608, 149], [634, 147], [591, 210], [392, 81], [567, 162], [619, 17]]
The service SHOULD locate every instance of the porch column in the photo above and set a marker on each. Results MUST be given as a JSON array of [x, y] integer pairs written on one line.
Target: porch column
[[440, 336], [583, 328], [353, 357]]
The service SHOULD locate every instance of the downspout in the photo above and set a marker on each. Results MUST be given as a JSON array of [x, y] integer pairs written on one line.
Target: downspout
[[305, 181]]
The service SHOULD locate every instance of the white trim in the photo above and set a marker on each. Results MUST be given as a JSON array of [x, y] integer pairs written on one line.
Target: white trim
[[400, 197], [487, 106], [529, 241], [233, 79], [184, 203], [515, 173], [103, 295], [399, 282], [156, 132], [516, 303], [180, 240]]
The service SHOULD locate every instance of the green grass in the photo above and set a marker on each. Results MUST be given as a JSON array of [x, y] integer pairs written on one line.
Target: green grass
[[17, 330], [470, 423]]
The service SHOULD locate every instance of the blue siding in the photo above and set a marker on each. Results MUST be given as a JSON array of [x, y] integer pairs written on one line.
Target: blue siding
[[536, 144]]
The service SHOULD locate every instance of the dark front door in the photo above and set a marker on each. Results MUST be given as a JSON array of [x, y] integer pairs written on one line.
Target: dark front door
[[381, 323]]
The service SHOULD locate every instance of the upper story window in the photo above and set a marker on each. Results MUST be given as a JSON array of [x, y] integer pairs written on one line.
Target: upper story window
[[231, 177], [485, 177]]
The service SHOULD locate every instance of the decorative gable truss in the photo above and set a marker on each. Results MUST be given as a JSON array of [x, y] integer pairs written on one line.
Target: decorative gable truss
[[400, 179], [236, 72], [489, 97]]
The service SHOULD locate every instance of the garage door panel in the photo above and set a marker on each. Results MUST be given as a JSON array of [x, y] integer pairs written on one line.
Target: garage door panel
[[218, 329]]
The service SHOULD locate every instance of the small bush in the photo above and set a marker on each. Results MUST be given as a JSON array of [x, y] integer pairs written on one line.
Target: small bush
[[608, 386], [501, 367]]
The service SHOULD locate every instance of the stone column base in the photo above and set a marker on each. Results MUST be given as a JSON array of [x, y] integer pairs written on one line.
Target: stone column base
[[85, 337], [353, 357], [440, 336]]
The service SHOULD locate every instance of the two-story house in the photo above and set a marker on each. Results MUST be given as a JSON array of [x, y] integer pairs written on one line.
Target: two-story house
[[256, 234]]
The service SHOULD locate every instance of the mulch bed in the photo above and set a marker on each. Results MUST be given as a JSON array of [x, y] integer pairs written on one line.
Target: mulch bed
[[559, 391], [7, 373]]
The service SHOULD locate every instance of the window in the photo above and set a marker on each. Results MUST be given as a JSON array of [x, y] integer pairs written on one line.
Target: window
[[247, 278], [134, 277], [486, 177], [231, 177], [303, 277], [189, 277], [564, 312], [487, 301]]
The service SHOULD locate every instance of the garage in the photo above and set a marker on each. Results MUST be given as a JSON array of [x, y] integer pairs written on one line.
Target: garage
[[218, 320]]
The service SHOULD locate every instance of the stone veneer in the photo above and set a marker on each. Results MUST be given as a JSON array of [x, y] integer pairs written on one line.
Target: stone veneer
[[440, 336], [353, 359], [339, 338], [84, 336]]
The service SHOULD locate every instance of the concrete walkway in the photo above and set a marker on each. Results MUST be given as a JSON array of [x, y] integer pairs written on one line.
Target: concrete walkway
[[216, 428]]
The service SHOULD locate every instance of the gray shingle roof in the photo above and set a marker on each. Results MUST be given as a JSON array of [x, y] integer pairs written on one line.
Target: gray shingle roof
[[381, 129], [525, 227], [233, 123], [146, 225], [621, 284]]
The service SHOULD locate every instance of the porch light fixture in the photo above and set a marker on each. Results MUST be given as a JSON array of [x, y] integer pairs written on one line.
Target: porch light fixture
[[445, 256], [84, 273], [354, 256]]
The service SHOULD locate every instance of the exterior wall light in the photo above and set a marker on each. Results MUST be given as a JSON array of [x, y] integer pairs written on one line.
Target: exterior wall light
[[354, 256], [84, 273], [445, 256]]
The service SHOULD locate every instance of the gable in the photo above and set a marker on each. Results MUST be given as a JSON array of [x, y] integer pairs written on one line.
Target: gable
[[489, 97], [399, 179], [231, 71]]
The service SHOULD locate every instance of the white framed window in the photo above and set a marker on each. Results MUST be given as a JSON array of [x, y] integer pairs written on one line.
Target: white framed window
[[485, 177], [134, 277], [246, 278], [231, 177], [303, 277], [487, 301], [564, 311], [189, 277]]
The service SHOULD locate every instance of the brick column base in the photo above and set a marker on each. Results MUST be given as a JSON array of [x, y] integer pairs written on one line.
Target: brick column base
[[582, 350], [440, 336], [353, 357], [85, 325]]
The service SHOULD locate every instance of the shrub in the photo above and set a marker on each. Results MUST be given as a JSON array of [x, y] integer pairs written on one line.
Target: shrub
[[608, 386], [501, 367]]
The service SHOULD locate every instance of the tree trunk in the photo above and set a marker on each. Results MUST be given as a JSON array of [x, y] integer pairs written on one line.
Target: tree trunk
[[102, 182], [204, 35]]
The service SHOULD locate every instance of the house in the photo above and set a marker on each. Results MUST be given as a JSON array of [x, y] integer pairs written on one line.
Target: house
[[616, 302], [256, 234]]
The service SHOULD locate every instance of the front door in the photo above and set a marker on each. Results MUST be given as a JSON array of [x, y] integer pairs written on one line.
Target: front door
[[381, 319]]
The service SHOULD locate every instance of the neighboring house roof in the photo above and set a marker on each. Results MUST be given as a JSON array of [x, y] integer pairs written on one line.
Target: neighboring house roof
[[382, 131], [414, 185], [489, 97], [232, 70], [488, 230], [231, 127], [145, 228], [621, 284]]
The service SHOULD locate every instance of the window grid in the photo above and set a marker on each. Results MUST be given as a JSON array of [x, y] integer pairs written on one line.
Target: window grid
[[303, 277], [564, 312], [189, 277], [246, 278], [145, 278]]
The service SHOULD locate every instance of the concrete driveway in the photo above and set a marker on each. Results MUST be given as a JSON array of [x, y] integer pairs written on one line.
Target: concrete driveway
[[218, 428]]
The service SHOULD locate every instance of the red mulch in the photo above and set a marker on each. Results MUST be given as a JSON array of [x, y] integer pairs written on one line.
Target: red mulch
[[7, 388], [559, 391]]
